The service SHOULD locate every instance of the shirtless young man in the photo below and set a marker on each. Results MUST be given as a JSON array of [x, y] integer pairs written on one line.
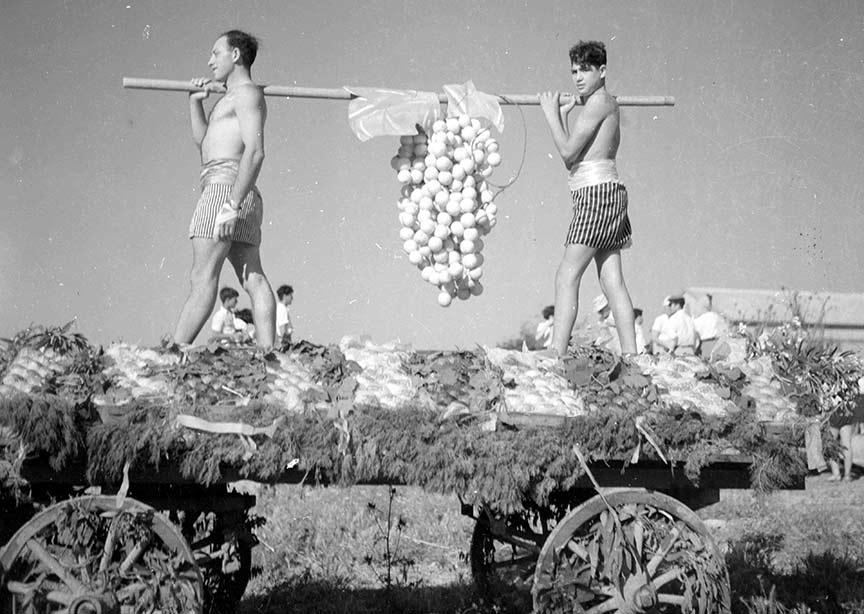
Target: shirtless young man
[[227, 218], [600, 226]]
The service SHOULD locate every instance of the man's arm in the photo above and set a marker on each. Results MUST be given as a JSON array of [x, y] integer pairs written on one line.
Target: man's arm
[[571, 144], [197, 117], [196, 108], [251, 112]]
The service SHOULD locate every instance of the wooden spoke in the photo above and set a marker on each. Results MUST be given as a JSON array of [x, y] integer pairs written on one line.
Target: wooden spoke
[[615, 553], [108, 550], [57, 568], [661, 554], [610, 605], [133, 556], [666, 577], [86, 550], [55, 596], [672, 599], [515, 562]]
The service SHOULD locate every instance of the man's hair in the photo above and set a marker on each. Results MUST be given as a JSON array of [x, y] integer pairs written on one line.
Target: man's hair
[[592, 53], [284, 290], [637, 312], [244, 314], [245, 43], [677, 300], [227, 293], [548, 311]]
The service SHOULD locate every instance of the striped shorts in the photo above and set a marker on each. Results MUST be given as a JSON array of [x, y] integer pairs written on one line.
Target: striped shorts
[[600, 217], [213, 195]]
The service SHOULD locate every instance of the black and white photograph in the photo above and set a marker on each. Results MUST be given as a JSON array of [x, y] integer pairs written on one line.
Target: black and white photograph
[[501, 307]]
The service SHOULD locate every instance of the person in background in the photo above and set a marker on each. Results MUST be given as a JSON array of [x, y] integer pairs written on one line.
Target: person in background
[[657, 327], [710, 326], [607, 334], [845, 426], [244, 322], [678, 334], [224, 325], [543, 336], [641, 344], [284, 328]]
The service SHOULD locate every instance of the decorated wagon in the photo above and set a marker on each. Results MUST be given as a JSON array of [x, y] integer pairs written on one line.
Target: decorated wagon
[[582, 477]]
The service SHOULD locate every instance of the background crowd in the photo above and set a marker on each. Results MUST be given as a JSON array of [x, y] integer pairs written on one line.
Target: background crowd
[[686, 327], [235, 326]]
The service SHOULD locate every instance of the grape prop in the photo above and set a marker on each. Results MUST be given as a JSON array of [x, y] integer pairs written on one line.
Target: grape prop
[[447, 206]]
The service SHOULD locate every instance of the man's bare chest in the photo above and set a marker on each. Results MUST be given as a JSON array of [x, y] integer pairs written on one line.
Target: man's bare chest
[[223, 111]]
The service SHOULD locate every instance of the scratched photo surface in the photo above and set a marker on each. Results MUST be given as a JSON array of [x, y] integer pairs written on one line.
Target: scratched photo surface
[[753, 179]]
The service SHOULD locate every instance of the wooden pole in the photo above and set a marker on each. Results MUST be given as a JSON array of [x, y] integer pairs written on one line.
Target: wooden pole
[[341, 94]]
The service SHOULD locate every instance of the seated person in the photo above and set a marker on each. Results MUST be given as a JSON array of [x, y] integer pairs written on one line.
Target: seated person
[[543, 336], [243, 321], [223, 326]]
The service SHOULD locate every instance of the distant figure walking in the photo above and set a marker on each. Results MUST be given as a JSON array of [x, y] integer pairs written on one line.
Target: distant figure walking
[[227, 219]]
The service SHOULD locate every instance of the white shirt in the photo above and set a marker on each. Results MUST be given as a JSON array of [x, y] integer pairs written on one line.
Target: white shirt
[[283, 320], [223, 322], [640, 340], [679, 330], [710, 325], [543, 336]]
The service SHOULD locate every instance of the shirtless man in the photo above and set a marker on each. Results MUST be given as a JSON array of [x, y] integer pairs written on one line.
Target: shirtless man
[[227, 218], [600, 227]]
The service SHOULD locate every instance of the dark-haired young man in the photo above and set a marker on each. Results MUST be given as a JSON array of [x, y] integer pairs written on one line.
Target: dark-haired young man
[[227, 219], [600, 227], [224, 324]]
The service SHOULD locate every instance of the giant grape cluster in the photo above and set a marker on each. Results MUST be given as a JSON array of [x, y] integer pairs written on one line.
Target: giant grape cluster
[[447, 207]]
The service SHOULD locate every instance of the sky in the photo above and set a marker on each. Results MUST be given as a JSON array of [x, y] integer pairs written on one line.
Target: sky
[[752, 180]]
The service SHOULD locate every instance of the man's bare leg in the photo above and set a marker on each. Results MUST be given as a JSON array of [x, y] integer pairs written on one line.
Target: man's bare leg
[[208, 256], [246, 260], [612, 280], [567, 280]]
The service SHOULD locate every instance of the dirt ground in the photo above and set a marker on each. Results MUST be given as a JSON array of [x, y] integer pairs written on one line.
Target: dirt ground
[[323, 550]]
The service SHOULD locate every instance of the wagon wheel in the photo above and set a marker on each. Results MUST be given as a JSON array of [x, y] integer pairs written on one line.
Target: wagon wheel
[[503, 555], [222, 546], [86, 556], [648, 553], [504, 551]]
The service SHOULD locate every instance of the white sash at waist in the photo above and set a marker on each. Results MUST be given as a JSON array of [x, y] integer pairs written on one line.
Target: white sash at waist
[[592, 172]]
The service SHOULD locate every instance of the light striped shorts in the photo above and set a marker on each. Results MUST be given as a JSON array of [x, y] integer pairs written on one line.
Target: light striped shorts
[[213, 196], [600, 217]]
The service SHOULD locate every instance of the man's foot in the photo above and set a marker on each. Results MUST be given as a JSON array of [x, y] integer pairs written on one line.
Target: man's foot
[[547, 354], [169, 346], [834, 477]]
